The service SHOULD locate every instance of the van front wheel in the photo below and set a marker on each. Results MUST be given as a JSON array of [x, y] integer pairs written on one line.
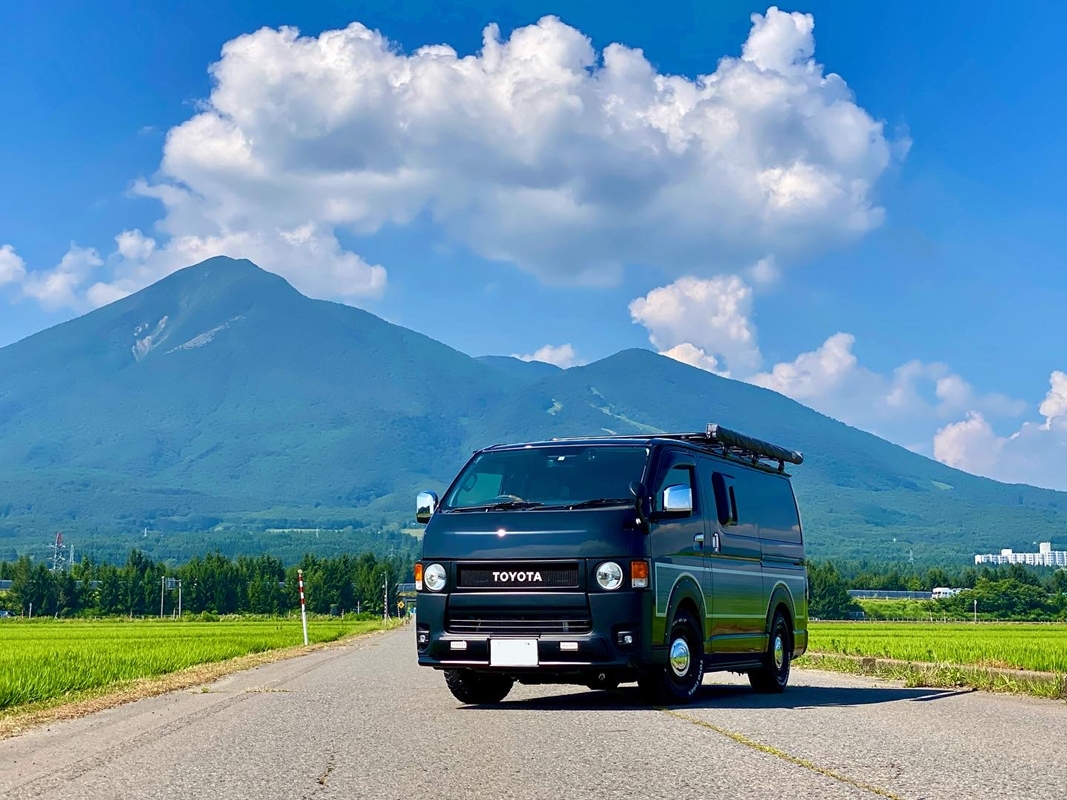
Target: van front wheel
[[773, 676], [680, 679]]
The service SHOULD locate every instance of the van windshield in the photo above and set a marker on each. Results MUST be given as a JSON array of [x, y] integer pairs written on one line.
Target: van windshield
[[549, 477]]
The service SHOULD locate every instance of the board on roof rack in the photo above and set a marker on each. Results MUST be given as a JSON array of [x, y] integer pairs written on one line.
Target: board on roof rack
[[729, 441]]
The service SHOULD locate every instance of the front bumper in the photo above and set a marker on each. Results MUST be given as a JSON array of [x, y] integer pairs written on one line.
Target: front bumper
[[614, 615]]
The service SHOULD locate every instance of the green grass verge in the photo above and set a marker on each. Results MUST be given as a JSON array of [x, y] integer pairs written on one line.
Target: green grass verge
[[1048, 685]]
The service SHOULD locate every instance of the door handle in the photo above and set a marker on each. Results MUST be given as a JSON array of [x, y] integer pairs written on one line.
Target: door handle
[[715, 542], [699, 539]]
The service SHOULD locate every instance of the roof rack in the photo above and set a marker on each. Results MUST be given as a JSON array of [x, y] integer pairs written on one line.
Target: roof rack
[[741, 446], [727, 443]]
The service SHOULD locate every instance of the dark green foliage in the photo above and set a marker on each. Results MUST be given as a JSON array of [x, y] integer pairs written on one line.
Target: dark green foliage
[[1006, 599], [1009, 592], [256, 408], [829, 593], [211, 584]]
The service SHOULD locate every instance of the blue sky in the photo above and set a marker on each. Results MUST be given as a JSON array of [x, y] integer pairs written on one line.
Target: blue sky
[[957, 268]]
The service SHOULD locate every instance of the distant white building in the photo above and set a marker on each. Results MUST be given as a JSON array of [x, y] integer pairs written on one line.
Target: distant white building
[[1044, 557], [943, 592]]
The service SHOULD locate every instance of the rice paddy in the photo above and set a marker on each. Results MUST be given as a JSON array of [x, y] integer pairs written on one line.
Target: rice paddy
[[45, 660], [1040, 647]]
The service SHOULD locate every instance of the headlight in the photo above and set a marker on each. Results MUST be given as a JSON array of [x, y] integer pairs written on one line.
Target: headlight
[[435, 577], [609, 575]]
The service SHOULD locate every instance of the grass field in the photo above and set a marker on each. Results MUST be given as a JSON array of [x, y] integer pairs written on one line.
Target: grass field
[[1000, 645], [43, 660]]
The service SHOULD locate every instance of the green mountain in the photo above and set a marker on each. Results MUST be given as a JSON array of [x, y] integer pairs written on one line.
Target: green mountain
[[220, 405], [524, 370]]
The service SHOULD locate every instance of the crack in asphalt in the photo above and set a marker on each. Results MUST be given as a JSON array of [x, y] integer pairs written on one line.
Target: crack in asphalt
[[740, 738], [323, 778]]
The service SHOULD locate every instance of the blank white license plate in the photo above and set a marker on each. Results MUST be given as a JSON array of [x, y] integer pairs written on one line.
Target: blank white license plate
[[513, 652]]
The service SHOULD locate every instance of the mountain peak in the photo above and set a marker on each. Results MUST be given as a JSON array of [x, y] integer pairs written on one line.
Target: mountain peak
[[223, 271]]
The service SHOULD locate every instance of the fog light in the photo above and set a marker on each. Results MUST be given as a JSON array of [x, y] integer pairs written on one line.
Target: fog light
[[625, 638], [459, 645], [424, 639], [568, 645]]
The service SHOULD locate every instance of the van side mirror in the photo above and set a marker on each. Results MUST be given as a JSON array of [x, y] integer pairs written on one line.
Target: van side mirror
[[425, 505], [678, 498]]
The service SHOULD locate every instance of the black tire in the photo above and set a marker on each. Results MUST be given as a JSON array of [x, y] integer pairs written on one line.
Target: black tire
[[476, 688], [679, 680], [773, 676]]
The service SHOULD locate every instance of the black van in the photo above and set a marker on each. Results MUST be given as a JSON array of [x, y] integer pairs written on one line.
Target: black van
[[605, 560]]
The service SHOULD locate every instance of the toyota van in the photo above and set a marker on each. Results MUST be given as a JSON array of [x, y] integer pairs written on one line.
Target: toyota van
[[604, 560]]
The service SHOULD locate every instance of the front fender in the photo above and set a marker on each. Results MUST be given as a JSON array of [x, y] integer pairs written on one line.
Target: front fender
[[686, 588]]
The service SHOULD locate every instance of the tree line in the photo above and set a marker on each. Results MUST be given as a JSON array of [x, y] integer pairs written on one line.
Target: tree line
[[209, 584], [264, 585], [1011, 591]]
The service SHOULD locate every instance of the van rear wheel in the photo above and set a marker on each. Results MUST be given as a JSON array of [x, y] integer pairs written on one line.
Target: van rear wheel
[[773, 676], [476, 688]]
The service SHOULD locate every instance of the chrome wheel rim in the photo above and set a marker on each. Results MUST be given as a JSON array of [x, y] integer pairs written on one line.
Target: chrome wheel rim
[[779, 652], [679, 657]]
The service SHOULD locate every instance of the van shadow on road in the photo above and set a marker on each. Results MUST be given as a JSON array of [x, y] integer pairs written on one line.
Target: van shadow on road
[[627, 698]]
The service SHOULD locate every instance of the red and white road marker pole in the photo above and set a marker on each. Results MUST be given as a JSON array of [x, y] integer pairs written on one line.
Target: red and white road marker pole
[[303, 608]]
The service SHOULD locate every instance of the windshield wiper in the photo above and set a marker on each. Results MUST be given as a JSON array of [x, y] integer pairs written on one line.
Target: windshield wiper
[[601, 501], [503, 505]]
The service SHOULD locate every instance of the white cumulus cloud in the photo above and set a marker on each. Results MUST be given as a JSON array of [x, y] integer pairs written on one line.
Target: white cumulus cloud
[[764, 272], [562, 355], [134, 245], [61, 285], [537, 150], [1036, 453], [817, 374], [709, 324], [695, 357], [1054, 406], [971, 445], [704, 322], [12, 267], [904, 406]]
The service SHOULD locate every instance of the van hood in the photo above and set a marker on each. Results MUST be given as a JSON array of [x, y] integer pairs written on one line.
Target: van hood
[[533, 534]]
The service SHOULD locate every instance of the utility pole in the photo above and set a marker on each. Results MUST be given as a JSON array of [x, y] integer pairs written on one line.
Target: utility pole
[[385, 610], [162, 588], [303, 610]]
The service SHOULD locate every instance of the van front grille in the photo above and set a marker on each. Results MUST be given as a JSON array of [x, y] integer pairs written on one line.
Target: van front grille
[[515, 623]]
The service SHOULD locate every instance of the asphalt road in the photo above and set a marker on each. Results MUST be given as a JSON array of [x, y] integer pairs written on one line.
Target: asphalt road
[[362, 720]]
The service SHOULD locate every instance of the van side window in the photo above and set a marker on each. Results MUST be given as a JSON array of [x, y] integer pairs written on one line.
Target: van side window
[[678, 475], [778, 517], [725, 498]]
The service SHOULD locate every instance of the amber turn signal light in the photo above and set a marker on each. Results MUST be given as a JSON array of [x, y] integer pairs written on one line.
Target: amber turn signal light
[[418, 577], [639, 574]]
